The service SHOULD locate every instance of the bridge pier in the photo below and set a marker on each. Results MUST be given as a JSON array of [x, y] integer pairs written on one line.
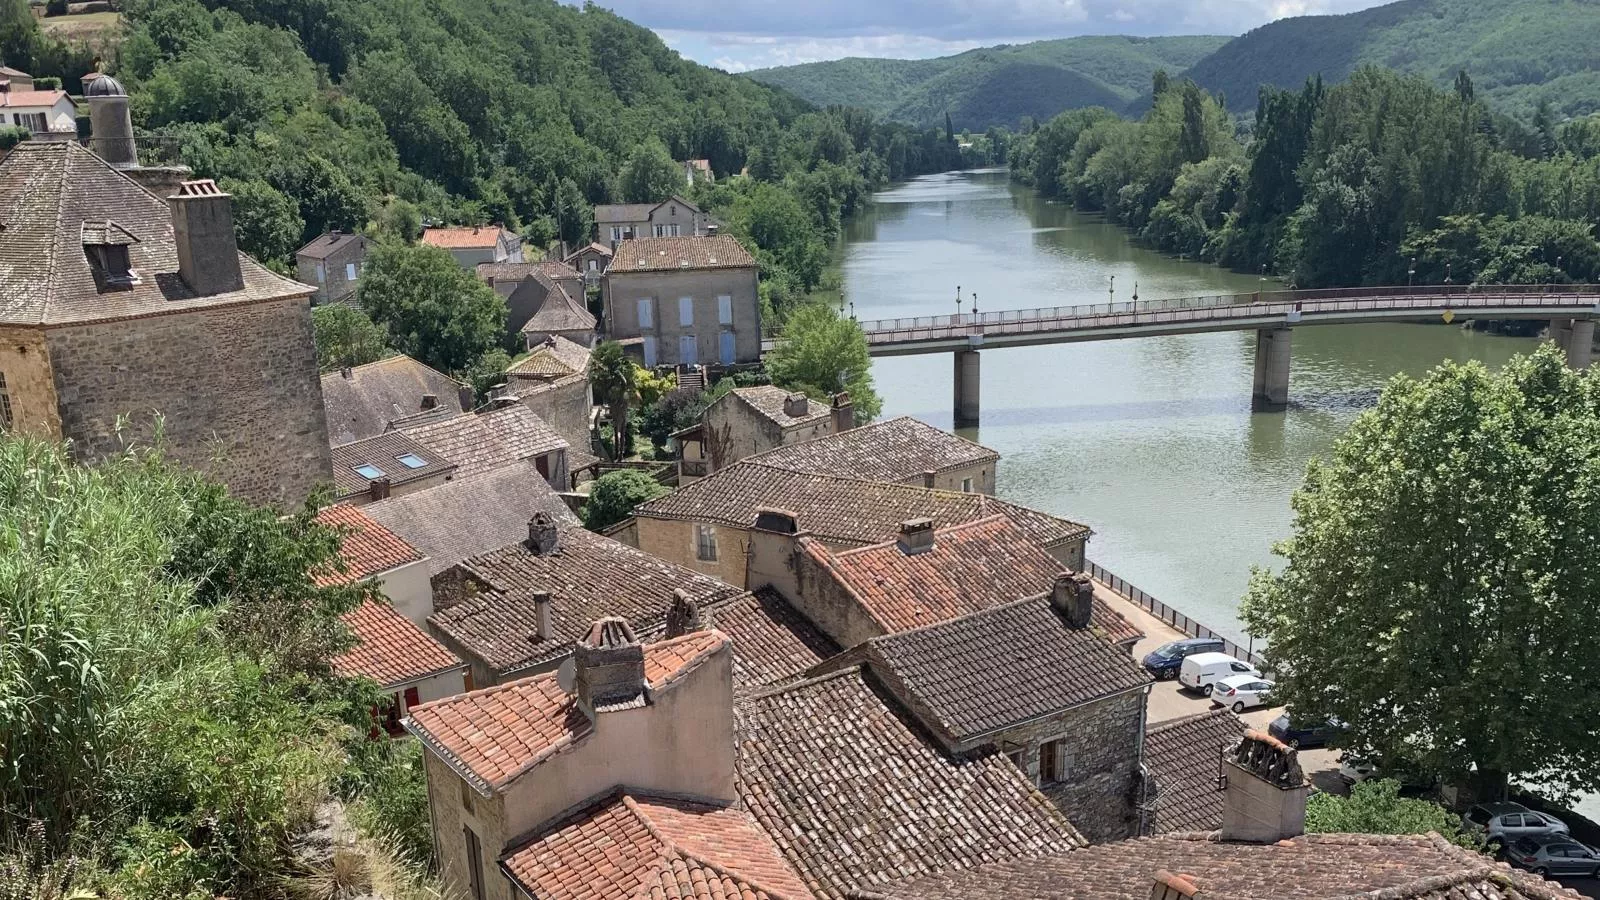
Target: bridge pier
[[1575, 337], [1271, 388], [966, 392]]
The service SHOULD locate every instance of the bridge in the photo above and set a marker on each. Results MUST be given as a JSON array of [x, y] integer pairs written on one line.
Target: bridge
[[1570, 309]]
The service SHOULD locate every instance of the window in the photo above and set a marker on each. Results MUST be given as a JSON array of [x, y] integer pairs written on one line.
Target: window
[[688, 350], [31, 121], [705, 543], [474, 865], [5, 405], [593, 264], [725, 309], [685, 310], [966, 485], [469, 798], [369, 471], [322, 273], [667, 230], [349, 271], [616, 234], [649, 351], [647, 317], [725, 348], [411, 461], [1055, 762]]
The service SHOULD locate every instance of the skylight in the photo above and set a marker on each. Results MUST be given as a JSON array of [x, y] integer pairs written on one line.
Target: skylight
[[369, 471], [411, 461]]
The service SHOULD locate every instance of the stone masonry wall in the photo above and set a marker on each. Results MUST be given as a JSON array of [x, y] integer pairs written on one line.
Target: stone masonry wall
[[1100, 794], [236, 388], [565, 407], [455, 806], [25, 366], [624, 290]]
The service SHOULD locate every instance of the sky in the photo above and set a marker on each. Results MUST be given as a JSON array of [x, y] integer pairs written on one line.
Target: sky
[[739, 35]]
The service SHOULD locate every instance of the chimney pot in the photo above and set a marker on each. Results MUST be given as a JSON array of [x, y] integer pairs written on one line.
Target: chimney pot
[[916, 536], [379, 488], [1169, 886], [1265, 790], [543, 536], [467, 397], [430, 401], [795, 405], [202, 227], [684, 616], [608, 668], [541, 611]]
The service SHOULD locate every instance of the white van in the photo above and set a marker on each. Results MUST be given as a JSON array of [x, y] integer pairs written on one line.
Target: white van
[[1203, 670]]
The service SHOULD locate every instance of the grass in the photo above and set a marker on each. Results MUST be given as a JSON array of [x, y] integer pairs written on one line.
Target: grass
[[84, 28]]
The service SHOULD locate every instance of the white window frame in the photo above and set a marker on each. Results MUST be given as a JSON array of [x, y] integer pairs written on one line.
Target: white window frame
[[647, 317], [705, 542], [685, 311], [725, 309], [966, 485], [351, 273]]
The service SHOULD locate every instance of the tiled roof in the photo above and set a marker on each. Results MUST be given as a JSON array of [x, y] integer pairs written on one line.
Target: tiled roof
[[384, 452], [893, 450], [719, 251], [843, 510], [326, 245], [593, 247], [972, 566], [856, 799], [31, 98], [637, 847], [368, 548], [371, 398], [494, 735], [768, 400], [390, 648], [1309, 867], [995, 669], [588, 577], [1182, 755], [560, 310], [772, 642], [468, 237], [489, 439], [622, 212], [557, 357], [48, 190], [471, 515]]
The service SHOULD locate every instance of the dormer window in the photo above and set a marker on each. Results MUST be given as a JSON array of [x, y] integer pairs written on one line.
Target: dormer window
[[105, 245]]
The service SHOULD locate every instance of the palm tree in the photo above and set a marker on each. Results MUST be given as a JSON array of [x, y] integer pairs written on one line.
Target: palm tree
[[611, 378]]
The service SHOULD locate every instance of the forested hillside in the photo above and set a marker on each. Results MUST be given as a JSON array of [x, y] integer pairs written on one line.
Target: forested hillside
[[1518, 52], [995, 85]]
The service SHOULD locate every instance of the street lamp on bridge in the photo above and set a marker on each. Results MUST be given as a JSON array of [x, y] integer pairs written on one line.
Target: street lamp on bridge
[[1411, 272]]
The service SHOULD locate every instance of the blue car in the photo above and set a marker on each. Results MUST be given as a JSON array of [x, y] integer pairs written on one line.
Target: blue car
[[1304, 735], [1165, 661]]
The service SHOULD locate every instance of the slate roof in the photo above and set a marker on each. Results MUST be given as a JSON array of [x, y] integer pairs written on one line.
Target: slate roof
[[972, 566], [48, 190], [489, 439], [637, 847], [857, 799], [373, 397], [981, 673], [560, 310], [592, 247], [383, 451], [326, 245], [588, 577], [843, 511], [470, 515], [623, 212], [390, 648], [492, 736], [557, 357], [1309, 867], [772, 643], [666, 254], [463, 237], [898, 449], [368, 548], [1182, 755]]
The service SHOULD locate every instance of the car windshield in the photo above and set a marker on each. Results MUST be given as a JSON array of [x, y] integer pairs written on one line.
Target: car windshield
[[1168, 651], [1478, 814]]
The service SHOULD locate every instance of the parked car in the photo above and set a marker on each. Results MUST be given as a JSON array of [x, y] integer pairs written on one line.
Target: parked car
[[1304, 735], [1202, 670], [1553, 854], [1241, 692], [1500, 823], [1164, 661], [1354, 769]]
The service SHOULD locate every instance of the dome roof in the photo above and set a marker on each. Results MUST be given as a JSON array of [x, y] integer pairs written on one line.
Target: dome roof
[[104, 86]]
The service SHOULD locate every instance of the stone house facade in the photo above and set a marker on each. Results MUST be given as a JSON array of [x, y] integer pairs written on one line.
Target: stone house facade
[[673, 217], [333, 262], [685, 301], [752, 420], [591, 261]]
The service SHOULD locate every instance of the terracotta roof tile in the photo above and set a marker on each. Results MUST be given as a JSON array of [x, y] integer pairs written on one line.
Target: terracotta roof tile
[[31, 98], [390, 648], [492, 736], [383, 452], [368, 548], [772, 642], [901, 449], [490, 439], [665, 254], [855, 798], [372, 398], [1182, 755], [468, 237]]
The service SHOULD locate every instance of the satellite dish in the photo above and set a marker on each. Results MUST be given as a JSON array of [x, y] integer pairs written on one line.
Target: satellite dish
[[566, 675]]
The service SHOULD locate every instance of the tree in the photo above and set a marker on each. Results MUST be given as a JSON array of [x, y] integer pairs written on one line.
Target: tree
[[434, 310], [614, 496], [267, 221], [1376, 807], [821, 354], [573, 215], [650, 175], [1439, 595], [345, 336], [611, 375]]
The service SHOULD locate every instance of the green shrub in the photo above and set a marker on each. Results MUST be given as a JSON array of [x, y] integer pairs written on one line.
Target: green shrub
[[614, 496]]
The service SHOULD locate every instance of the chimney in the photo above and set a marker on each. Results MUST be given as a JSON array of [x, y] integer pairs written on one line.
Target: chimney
[[110, 123], [608, 668], [772, 554], [1168, 886], [795, 405], [430, 401], [684, 616], [1072, 595], [777, 521], [1264, 790], [541, 614], [379, 488], [844, 412], [543, 536], [202, 225], [346, 373], [916, 536], [468, 399]]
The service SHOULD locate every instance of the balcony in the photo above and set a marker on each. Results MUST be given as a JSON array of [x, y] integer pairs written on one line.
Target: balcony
[[155, 150]]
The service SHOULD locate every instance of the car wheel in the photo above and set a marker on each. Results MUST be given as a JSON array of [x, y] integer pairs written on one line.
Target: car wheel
[[1238, 706], [1541, 871], [1205, 691], [1294, 743]]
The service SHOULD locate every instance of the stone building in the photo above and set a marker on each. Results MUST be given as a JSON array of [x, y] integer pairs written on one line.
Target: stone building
[[333, 263], [684, 300], [749, 420], [366, 401], [502, 433], [553, 382], [591, 261], [124, 313], [542, 299], [673, 217], [1180, 755], [387, 465], [475, 244]]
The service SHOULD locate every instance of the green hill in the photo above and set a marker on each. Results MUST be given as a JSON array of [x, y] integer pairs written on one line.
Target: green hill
[[995, 85], [1518, 52]]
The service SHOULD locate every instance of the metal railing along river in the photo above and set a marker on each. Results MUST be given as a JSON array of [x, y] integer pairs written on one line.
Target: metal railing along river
[[1171, 616]]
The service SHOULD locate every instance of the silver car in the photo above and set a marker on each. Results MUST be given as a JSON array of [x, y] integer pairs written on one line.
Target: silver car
[[1553, 854], [1501, 823]]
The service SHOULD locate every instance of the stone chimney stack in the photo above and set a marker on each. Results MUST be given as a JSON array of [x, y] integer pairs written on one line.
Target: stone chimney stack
[[771, 556], [542, 616], [379, 488], [1265, 791], [543, 536], [430, 401], [608, 668], [110, 123], [202, 225], [684, 616], [844, 412], [1073, 597], [916, 536], [469, 400], [795, 406]]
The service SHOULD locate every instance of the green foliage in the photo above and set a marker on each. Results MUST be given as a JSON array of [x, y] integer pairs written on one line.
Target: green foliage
[[650, 175], [1438, 595], [1376, 807], [267, 221], [1530, 250], [433, 309], [346, 336], [12, 135], [821, 353], [676, 410], [612, 378], [614, 495], [391, 798]]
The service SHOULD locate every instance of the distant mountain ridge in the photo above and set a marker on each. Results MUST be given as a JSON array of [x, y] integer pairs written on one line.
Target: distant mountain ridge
[[995, 85]]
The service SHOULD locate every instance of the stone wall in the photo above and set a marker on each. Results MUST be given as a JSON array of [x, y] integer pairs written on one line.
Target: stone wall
[[335, 282], [673, 541], [566, 407], [454, 805], [624, 290], [981, 474], [25, 366], [1102, 740], [236, 388]]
